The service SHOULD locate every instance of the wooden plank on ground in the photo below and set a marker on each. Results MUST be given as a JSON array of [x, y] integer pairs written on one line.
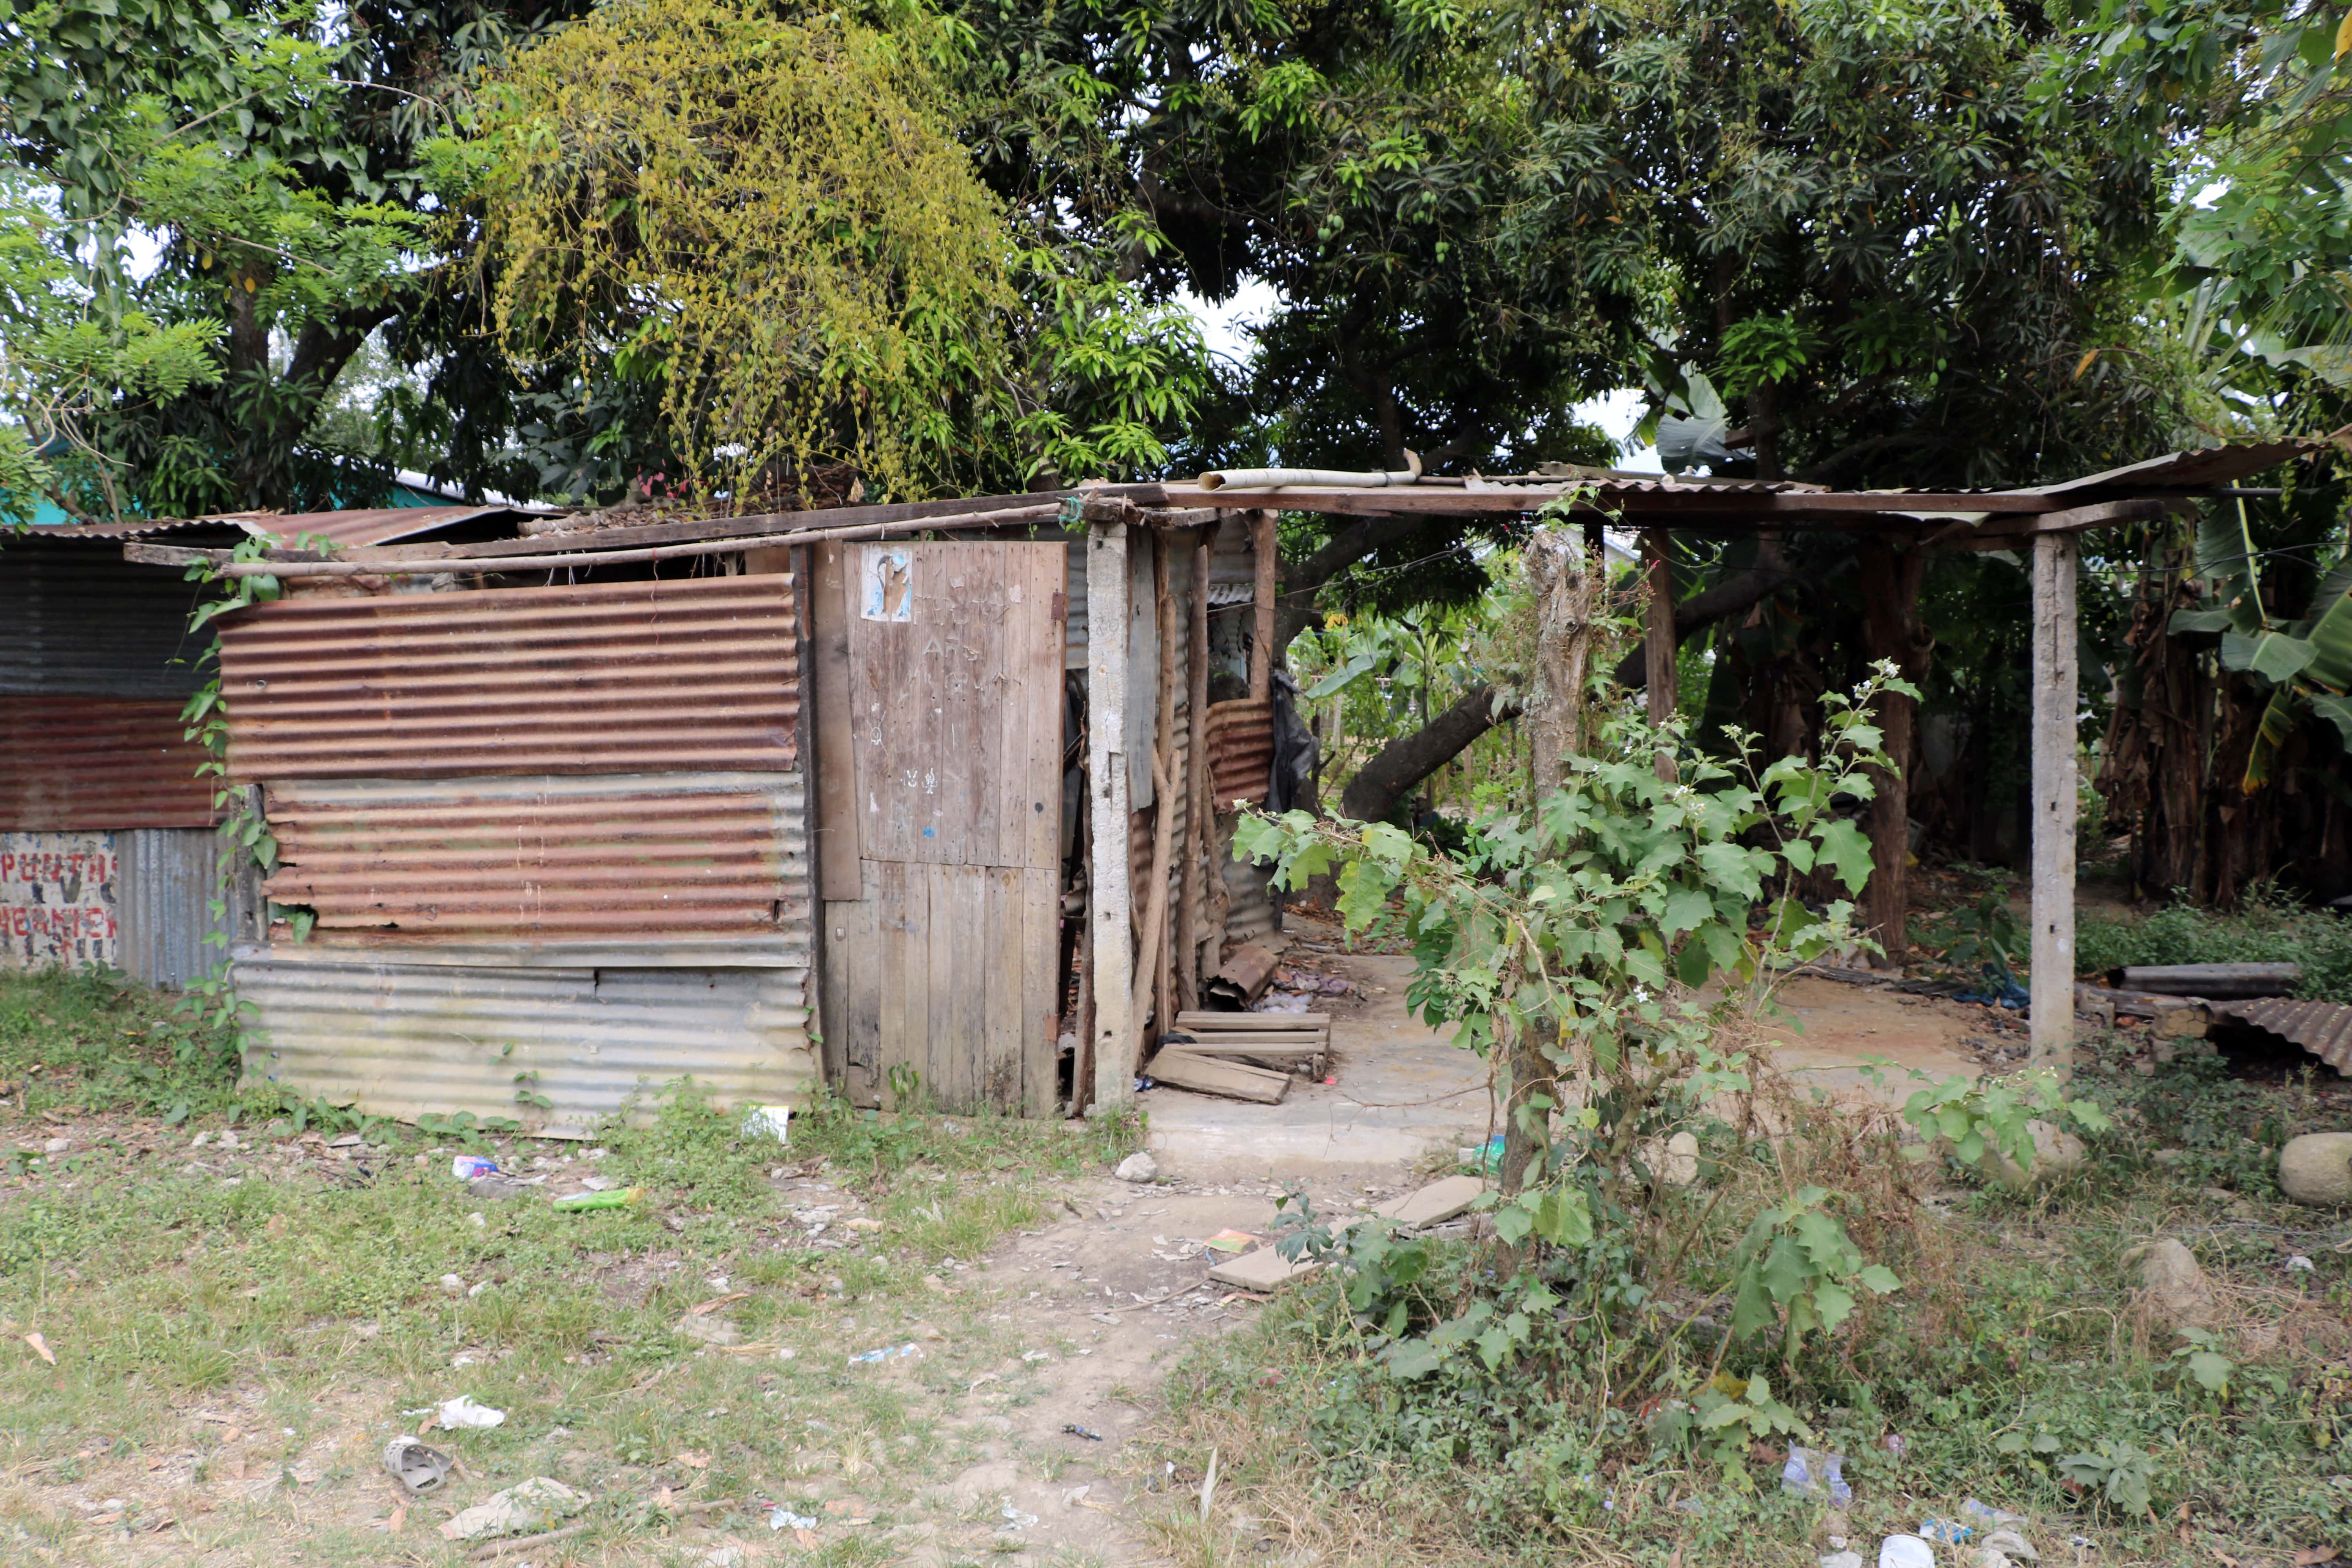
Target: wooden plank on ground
[[1300, 1044], [1256, 1022], [1204, 1076]]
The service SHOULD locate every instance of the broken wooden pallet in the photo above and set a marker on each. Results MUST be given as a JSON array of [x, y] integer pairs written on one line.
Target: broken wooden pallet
[[1179, 1066], [1271, 1037]]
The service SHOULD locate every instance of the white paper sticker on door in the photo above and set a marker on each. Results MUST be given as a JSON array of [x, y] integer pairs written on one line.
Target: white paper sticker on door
[[888, 583]]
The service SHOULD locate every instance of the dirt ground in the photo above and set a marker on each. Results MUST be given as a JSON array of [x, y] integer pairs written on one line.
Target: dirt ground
[[1019, 1428]]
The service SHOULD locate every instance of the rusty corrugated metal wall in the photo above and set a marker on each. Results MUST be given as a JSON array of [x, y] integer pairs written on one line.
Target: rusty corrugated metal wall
[[655, 676], [96, 662], [71, 763], [554, 841], [1241, 752]]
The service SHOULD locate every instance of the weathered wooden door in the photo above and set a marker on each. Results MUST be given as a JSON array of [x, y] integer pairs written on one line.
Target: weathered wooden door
[[940, 760]]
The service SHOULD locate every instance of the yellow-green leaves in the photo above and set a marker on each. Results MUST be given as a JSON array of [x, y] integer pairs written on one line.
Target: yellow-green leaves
[[777, 205]]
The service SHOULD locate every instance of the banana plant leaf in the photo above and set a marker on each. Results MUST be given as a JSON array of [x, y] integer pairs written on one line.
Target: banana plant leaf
[[2225, 559], [2330, 666], [2189, 623], [2278, 723], [2273, 656]]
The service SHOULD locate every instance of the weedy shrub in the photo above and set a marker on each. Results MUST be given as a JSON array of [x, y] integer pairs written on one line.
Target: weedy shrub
[[1626, 1351]]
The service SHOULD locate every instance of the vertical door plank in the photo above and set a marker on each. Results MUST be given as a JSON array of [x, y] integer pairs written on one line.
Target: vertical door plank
[[1004, 941], [836, 765], [1041, 987]]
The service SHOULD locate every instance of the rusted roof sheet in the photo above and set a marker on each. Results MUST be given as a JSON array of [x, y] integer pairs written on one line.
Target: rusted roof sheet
[[367, 525], [616, 677], [400, 1037], [399, 864], [2323, 1028], [68, 764], [1241, 752], [2189, 470]]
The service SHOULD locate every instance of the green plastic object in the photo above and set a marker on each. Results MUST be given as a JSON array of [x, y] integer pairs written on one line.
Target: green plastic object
[[614, 1198]]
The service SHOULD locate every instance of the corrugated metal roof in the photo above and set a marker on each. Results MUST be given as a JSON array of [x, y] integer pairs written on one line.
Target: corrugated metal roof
[[364, 525], [691, 675], [2220, 465], [399, 864], [85, 621], [401, 1039], [2323, 1028], [76, 762]]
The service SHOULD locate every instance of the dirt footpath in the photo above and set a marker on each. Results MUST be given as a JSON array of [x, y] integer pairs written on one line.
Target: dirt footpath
[[1122, 1290]]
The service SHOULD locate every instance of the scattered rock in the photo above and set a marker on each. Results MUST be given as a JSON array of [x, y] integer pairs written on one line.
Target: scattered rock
[[1679, 1167], [1261, 1270], [2316, 1169], [983, 1481], [57, 1145], [2175, 1291], [1843, 1559], [1138, 1167], [710, 1330], [517, 1510], [2009, 1543], [2055, 1153], [497, 1189], [728, 1556], [1434, 1204]]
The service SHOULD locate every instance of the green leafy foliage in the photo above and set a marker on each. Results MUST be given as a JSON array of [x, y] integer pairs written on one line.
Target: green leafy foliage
[[1797, 1271], [1982, 1118], [191, 183]]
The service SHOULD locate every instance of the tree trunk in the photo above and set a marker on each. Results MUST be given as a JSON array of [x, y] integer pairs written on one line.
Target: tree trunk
[[1405, 762], [1890, 629], [1720, 603], [1561, 587]]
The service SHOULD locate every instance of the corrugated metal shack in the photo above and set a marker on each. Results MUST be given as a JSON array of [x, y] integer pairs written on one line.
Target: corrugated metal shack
[[568, 816], [107, 854], [869, 791]]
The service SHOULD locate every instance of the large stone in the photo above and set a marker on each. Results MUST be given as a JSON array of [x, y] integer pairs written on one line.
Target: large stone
[[2316, 1169], [2055, 1153], [1265, 1269], [520, 1509], [1138, 1167], [2174, 1292], [1434, 1204]]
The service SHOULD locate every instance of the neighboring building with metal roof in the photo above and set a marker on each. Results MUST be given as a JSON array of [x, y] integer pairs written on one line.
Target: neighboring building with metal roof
[[107, 853]]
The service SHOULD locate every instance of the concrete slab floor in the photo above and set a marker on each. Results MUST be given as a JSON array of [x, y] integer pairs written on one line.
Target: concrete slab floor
[[1404, 1090]]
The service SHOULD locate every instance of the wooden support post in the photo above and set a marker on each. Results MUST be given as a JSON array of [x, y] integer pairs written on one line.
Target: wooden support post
[[1155, 977], [838, 841], [1658, 638], [1106, 808], [1195, 827], [1261, 685], [2055, 698]]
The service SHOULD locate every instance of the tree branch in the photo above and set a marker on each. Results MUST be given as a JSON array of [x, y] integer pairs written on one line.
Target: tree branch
[[1405, 762]]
